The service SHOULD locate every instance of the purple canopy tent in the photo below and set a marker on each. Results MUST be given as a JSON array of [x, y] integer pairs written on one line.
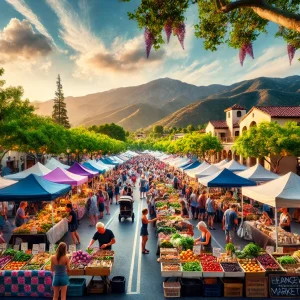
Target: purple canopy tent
[[82, 171], [60, 175]]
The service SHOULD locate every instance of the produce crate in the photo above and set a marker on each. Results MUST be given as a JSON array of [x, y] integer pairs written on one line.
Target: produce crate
[[169, 251], [256, 287], [170, 273], [96, 287], [190, 287], [212, 287], [233, 287], [171, 289], [76, 287], [163, 258], [76, 272], [192, 274], [97, 271], [240, 273]]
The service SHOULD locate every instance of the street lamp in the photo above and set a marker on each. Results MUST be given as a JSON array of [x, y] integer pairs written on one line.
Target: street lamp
[[68, 153]]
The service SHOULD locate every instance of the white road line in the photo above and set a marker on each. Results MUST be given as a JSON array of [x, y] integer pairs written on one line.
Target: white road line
[[138, 283], [134, 250], [111, 219], [217, 242]]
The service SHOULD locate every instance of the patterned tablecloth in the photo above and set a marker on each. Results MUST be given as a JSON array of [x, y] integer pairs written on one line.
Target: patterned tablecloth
[[58, 231], [26, 283]]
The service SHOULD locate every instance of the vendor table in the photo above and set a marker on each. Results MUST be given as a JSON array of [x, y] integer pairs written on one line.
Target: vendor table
[[29, 238], [57, 231], [26, 283]]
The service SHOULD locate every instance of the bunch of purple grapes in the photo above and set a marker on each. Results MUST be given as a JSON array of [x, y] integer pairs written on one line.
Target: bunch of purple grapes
[[246, 49], [180, 32], [149, 39], [168, 29], [291, 52]]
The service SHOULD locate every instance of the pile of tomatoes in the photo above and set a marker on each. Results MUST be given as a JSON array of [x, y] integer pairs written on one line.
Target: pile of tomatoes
[[15, 265]]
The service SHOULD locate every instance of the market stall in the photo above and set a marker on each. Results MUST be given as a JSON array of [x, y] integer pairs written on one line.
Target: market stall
[[233, 166], [221, 163], [258, 173], [35, 188], [207, 172], [191, 166], [94, 167], [281, 192], [191, 173], [82, 171], [5, 182], [38, 169], [54, 163]]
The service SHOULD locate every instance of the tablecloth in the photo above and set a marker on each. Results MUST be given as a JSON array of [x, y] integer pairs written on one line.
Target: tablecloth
[[26, 283], [58, 231]]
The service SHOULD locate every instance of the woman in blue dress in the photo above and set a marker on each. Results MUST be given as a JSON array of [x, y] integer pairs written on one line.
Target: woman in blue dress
[[144, 230], [93, 210], [205, 238]]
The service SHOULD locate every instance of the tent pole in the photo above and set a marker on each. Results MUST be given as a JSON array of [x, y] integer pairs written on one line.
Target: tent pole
[[52, 220], [276, 226]]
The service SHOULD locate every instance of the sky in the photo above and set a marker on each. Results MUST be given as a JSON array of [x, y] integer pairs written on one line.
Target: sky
[[94, 47]]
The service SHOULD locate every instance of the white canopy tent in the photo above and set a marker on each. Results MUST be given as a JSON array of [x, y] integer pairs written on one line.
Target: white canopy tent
[[221, 163], [53, 163], [258, 173], [192, 172], [38, 169], [5, 182], [183, 162], [208, 171], [234, 166], [281, 192]]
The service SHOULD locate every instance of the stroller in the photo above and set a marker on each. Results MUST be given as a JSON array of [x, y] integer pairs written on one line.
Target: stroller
[[126, 208]]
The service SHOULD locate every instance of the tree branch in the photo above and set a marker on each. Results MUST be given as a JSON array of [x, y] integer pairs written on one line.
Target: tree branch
[[265, 11]]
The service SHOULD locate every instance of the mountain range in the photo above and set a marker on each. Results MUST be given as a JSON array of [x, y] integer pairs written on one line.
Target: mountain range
[[171, 102]]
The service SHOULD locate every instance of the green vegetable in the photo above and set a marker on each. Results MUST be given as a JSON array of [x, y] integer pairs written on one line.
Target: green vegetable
[[191, 266], [166, 244], [10, 252], [89, 250], [286, 260], [187, 243], [176, 236], [166, 230], [174, 204], [252, 250], [160, 204], [21, 256], [32, 267], [230, 247]]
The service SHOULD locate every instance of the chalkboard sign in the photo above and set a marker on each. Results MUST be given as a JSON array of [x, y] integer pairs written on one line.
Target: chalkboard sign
[[283, 286]]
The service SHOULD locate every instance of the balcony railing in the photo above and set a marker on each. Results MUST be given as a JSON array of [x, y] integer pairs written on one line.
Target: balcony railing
[[228, 139]]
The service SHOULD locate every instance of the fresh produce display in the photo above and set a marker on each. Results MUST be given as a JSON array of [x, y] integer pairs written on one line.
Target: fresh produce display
[[184, 241], [286, 260], [95, 263], [230, 249], [100, 254], [191, 267], [251, 250], [166, 244], [188, 256], [207, 258], [211, 267], [40, 258], [166, 230], [250, 265], [21, 256], [226, 258], [32, 267], [14, 265], [268, 262], [170, 267], [10, 252], [80, 260], [4, 260], [174, 205], [297, 255], [231, 267], [47, 266], [169, 257]]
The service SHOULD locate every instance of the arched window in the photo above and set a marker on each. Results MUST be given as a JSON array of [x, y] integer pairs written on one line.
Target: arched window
[[238, 113], [244, 128], [253, 123]]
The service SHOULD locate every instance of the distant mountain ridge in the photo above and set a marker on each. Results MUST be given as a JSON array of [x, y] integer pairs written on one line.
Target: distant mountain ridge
[[174, 103]]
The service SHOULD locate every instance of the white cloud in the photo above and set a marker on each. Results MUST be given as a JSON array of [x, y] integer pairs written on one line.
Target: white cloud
[[21, 7]]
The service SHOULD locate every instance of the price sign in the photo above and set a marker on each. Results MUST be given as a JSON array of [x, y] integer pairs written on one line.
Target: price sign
[[52, 248], [279, 250], [16, 247], [270, 249], [3, 246], [197, 250], [72, 248], [217, 252], [35, 249], [42, 247], [24, 247]]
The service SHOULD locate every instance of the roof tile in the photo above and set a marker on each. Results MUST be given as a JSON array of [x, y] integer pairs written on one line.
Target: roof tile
[[235, 107], [220, 124], [281, 111]]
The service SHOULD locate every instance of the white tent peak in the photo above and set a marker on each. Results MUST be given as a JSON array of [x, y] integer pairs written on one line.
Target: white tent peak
[[208, 171], [221, 163], [234, 166], [53, 163], [258, 173]]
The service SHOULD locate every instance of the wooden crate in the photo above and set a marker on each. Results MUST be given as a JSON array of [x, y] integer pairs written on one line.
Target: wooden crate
[[76, 272], [256, 287], [96, 287], [97, 271], [171, 289], [233, 287]]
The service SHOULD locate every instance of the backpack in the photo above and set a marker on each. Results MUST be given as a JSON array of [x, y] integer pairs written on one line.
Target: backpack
[[100, 198]]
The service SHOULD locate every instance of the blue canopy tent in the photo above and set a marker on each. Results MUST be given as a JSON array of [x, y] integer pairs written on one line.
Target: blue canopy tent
[[34, 187], [194, 165], [91, 167], [108, 161]]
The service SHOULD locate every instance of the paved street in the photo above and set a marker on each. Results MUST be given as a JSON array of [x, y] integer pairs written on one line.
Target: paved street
[[142, 272]]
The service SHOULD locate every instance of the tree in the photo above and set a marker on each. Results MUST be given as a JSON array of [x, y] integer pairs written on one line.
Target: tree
[[59, 114], [112, 130], [270, 141], [158, 129], [190, 128], [236, 23]]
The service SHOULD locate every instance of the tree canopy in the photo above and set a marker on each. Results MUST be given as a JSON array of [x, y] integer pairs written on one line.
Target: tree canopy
[[114, 131], [235, 23], [270, 141]]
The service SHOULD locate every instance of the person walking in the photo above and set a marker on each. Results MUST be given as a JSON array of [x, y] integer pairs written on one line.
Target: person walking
[[101, 201], [143, 182], [106, 202], [194, 204], [211, 211], [117, 191], [93, 210], [73, 224], [110, 192], [202, 204], [230, 221], [144, 230], [60, 266]]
